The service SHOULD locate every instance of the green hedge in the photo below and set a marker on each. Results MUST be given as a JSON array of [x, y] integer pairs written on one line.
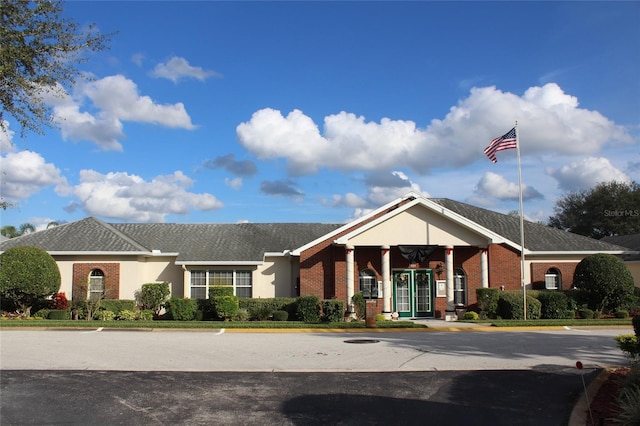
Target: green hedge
[[182, 309], [217, 291], [225, 307], [117, 305], [510, 306], [308, 309], [488, 301], [280, 315], [262, 309], [332, 310], [58, 314], [360, 305], [554, 305]]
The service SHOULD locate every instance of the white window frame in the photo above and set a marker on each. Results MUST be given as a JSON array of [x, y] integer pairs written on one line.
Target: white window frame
[[95, 287], [552, 279], [367, 280], [460, 286], [238, 279]]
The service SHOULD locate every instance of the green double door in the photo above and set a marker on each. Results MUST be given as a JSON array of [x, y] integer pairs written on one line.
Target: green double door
[[413, 293]]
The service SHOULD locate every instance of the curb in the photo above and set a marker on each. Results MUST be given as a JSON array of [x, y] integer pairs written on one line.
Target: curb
[[580, 414]]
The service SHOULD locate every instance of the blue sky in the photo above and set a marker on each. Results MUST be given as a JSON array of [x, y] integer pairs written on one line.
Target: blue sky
[[321, 111]]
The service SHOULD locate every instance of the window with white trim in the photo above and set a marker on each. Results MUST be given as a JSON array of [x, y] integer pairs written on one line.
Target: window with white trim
[[552, 279], [368, 284], [202, 280], [96, 285], [459, 287]]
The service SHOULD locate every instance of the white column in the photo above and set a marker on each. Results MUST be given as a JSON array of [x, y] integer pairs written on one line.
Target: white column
[[186, 283], [386, 282], [350, 280], [450, 314], [484, 267]]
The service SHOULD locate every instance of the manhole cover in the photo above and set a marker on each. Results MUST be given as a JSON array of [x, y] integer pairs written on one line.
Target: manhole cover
[[362, 341]]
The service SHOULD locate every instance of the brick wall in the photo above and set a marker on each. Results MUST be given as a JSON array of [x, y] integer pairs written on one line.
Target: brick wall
[[504, 267], [538, 271], [81, 273]]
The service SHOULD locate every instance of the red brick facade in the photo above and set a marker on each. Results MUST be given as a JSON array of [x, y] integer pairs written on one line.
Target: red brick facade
[[81, 273], [538, 271]]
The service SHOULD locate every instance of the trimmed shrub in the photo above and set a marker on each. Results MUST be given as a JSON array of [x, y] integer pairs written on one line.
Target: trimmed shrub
[[308, 309], [585, 313], [182, 309], [59, 302], [606, 280], [280, 315], [126, 315], [470, 316], [58, 314], [153, 296], [242, 315], [553, 304], [510, 306], [622, 314], [217, 291], [629, 344], [42, 313], [104, 315], [225, 307], [360, 305], [332, 310], [262, 309], [380, 318], [488, 301], [117, 305], [146, 315]]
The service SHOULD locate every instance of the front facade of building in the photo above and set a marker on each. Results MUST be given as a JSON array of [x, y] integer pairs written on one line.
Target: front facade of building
[[416, 257]]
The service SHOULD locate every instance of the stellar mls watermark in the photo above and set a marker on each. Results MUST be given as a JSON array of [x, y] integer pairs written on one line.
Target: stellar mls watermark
[[622, 213]]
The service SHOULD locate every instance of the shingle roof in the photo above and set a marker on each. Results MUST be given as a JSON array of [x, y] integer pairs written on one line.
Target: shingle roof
[[631, 241], [537, 236], [244, 242]]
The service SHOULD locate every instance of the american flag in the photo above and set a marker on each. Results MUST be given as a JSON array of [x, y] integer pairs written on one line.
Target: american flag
[[506, 141]]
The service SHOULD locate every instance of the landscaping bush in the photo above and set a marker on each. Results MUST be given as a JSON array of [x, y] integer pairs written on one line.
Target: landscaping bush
[[262, 309], [58, 314], [126, 315], [182, 309], [59, 302], [280, 315], [553, 304], [380, 318], [510, 306], [225, 307], [470, 316], [308, 309], [360, 305], [488, 301], [621, 313], [42, 313], [585, 313], [104, 315], [217, 291], [146, 315], [332, 310], [606, 281], [153, 296], [243, 315], [117, 305], [630, 345]]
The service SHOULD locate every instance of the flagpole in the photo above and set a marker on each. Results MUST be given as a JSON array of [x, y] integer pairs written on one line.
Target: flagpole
[[524, 288]]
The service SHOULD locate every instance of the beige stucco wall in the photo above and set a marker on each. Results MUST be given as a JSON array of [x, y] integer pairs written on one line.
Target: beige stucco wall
[[634, 267], [418, 225], [134, 271]]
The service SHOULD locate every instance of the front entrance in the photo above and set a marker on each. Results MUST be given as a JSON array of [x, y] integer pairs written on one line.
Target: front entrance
[[413, 293]]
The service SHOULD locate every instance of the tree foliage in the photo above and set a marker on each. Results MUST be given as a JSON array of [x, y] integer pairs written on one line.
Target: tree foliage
[[39, 50], [153, 296], [28, 274], [610, 208], [605, 282]]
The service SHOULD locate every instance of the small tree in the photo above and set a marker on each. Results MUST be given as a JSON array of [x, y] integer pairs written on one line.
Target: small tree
[[153, 296], [28, 274], [605, 282]]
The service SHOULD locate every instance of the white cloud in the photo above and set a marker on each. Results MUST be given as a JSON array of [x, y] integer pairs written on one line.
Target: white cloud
[[117, 99], [6, 138], [235, 183], [586, 173], [495, 186], [178, 68], [24, 173], [550, 122], [129, 197]]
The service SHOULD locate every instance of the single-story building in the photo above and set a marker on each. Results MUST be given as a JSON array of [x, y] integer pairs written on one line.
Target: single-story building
[[419, 257]]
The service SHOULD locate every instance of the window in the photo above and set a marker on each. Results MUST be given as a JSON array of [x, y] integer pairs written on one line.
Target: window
[[459, 287], [368, 284], [202, 280], [96, 285], [552, 279]]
